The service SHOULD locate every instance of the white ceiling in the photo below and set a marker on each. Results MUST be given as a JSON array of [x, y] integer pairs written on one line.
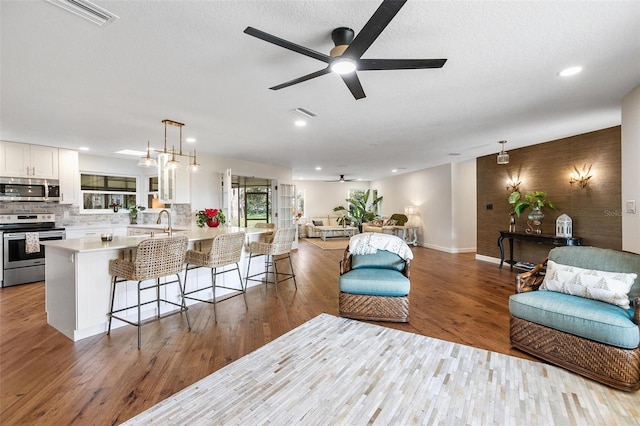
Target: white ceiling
[[68, 82]]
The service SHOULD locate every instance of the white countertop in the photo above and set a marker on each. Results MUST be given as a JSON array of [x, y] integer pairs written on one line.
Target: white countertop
[[96, 244]]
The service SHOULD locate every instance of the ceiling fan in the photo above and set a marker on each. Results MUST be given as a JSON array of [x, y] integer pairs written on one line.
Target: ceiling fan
[[346, 57], [342, 179]]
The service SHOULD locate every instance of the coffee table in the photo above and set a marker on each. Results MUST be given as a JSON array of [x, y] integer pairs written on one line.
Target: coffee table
[[348, 231]]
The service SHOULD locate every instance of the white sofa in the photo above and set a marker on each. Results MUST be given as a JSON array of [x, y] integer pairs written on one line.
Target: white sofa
[[311, 227]]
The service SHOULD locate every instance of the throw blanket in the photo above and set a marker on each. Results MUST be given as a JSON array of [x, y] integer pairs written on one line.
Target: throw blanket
[[371, 242], [32, 242]]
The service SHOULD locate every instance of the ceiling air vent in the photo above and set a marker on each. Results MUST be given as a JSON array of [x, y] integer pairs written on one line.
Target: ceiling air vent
[[87, 10]]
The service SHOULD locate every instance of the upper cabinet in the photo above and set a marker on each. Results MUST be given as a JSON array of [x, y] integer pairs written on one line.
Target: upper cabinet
[[69, 176], [24, 160]]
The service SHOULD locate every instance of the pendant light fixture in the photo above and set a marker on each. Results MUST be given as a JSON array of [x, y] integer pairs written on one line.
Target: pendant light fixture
[[503, 157], [149, 161]]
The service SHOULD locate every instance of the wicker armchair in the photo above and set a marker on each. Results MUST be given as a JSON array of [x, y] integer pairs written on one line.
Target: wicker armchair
[[589, 337], [155, 258], [226, 250], [375, 287], [280, 246]]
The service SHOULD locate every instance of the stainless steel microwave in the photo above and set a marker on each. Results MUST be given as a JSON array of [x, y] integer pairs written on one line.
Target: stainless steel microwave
[[26, 189]]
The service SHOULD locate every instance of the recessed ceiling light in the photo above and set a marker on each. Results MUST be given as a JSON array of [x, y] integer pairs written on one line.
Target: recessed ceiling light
[[131, 152], [300, 123], [570, 71], [394, 171], [190, 140], [83, 148]]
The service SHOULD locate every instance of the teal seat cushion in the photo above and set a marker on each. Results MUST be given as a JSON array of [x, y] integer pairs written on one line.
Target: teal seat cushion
[[381, 259], [588, 318], [374, 282]]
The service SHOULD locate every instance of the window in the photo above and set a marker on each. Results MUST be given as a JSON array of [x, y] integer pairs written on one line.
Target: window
[[102, 192]]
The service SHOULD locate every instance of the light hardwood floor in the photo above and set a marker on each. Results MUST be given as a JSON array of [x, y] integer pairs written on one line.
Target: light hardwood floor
[[46, 378]]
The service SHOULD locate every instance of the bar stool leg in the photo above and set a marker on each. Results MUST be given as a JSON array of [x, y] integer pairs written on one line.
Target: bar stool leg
[[292, 273], [213, 287], [244, 289], [275, 274], [113, 296], [184, 303], [139, 319], [158, 295]]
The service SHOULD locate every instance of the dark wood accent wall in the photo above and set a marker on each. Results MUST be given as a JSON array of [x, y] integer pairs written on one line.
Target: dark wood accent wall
[[596, 211]]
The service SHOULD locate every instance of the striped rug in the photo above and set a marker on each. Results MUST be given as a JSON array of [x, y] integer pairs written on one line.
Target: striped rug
[[338, 371]]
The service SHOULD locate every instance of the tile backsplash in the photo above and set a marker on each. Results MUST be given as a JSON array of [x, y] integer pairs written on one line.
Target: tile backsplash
[[69, 215]]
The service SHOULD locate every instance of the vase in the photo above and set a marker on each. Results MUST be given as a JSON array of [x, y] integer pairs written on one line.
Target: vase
[[213, 223], [133, 219], [115, 209], [534, 224]]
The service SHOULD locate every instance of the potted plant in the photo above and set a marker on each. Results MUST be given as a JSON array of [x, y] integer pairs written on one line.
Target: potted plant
[[359, 209], [536, 200], [211, 217], [133, 213]]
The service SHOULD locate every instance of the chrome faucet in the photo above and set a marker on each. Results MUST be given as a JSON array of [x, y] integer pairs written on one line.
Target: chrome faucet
[[169, 230]]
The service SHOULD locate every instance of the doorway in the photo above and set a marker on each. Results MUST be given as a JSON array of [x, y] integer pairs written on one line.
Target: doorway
[[251, 201]]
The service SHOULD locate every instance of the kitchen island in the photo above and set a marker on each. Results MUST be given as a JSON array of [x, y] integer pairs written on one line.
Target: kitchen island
[[78, 284]]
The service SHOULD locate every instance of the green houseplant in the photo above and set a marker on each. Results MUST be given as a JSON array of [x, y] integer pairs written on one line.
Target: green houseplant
[[536, 200], [358, 209], [133, 213]]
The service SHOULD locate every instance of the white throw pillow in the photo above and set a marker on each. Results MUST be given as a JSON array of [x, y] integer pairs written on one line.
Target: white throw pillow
[[610, 287]]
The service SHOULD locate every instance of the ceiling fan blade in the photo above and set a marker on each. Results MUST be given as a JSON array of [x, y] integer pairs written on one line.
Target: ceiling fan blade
[[353, 83], [301, 79], [372, 29], [399, 64], [287, 44]]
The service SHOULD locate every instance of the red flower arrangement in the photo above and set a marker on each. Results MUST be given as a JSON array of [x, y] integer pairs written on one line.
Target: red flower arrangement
[[210, 217]]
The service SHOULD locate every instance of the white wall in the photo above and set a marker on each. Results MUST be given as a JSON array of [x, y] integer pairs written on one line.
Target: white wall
[[322, 197], [464, 229], [631, 169]]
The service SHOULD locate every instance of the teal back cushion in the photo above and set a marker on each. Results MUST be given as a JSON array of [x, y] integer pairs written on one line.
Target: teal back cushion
[[600, 259], [382, 259]]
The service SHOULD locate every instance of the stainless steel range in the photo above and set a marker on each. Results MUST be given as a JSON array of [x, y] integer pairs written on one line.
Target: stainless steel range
[[20, 262]]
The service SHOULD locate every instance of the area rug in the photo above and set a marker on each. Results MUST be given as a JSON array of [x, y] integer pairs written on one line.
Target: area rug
[[338, 371], [334, 243]]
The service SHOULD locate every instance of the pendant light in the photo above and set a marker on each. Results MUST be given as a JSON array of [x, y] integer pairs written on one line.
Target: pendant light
[[503, 157], [148, 160]]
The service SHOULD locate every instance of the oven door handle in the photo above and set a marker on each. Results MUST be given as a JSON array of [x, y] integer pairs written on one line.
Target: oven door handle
[[42, 235]]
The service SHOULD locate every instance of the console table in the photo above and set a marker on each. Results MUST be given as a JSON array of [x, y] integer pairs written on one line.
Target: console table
[[538, 238]]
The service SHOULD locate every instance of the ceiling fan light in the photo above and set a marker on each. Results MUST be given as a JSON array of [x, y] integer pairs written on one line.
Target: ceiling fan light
[[343, 66]]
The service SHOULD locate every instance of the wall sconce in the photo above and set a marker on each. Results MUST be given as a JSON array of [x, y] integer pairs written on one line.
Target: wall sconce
[[581, 176], [513, 185], [503, 157], [513, 182]]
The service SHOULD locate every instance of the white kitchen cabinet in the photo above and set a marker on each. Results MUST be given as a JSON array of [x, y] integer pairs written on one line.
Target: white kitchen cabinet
[[73, 233], [173, 184], [24, 160], [69, 176]]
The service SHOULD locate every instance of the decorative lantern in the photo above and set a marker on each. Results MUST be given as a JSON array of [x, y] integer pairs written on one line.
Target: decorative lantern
[[564, 226]]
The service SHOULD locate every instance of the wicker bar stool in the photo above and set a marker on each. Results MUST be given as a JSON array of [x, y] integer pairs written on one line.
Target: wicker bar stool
[[280, 246], [155, 258], [226, 249], [267, 237]]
